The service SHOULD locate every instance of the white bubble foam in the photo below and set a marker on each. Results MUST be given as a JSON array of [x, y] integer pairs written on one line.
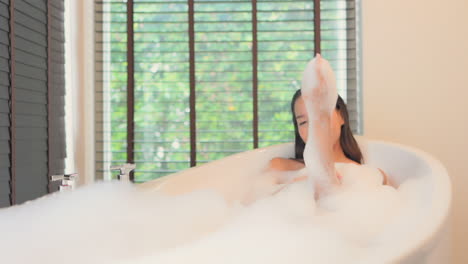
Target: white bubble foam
[[105, 221], [118, 223]]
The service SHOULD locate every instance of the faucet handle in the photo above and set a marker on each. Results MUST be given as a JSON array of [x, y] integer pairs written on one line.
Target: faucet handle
[[71, 176], [68, 181], [119, 168], [57, 177], [124, 170]]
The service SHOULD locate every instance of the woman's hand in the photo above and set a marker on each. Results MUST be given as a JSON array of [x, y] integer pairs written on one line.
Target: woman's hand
[[319, 94]]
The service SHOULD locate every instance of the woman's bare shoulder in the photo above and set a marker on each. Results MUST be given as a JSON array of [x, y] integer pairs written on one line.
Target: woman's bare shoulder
[[285, 164]]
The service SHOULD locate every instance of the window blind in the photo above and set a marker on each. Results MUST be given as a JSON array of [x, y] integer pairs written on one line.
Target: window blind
[[212, 77], [111, 85], [285, 45], [339, 46], [31, 88], [223, 63]]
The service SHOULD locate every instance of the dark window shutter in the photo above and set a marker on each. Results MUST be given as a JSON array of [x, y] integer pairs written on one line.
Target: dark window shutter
[[32, 101], [4, 105], [30, 104]]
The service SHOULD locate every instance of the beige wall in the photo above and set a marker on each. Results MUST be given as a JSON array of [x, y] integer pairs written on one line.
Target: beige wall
[[415, 87], [83, 86]]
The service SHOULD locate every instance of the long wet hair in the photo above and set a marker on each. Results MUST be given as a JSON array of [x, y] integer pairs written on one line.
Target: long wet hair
[[347, 141]]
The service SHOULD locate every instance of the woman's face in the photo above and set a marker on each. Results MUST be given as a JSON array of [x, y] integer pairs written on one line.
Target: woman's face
[[300, 111]]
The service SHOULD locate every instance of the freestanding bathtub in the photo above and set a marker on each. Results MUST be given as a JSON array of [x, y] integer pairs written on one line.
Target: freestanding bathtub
[[399, 162]]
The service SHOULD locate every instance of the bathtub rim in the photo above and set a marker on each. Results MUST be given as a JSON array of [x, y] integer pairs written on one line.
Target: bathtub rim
[[428, 241]]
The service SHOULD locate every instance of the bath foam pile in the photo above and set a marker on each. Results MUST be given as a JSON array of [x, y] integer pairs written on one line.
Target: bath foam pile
[[104, 222], [116, 223], [355, 223]]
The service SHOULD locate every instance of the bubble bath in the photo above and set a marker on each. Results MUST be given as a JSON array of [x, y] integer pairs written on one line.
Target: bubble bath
[[403, 225], [230, 211], [120, 223], [192, 217]]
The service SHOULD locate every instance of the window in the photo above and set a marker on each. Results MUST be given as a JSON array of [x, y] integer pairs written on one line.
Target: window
[[205, 79]]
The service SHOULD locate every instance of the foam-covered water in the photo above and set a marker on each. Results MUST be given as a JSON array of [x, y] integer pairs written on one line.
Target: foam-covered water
[[105, 221], [360, 222]]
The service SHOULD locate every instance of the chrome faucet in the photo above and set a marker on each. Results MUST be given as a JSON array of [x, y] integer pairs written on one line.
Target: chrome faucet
[[68, 181], [124, 171]]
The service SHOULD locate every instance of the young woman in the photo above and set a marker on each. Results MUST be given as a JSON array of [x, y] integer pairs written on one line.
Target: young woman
[[345, 149]]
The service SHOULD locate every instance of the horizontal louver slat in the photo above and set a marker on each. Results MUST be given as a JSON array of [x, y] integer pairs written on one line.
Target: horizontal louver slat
[[28, 46], [24, 7], [28, 83]]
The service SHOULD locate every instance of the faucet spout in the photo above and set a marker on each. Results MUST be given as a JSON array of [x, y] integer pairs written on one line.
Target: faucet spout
[[68, 181], [124, 171]]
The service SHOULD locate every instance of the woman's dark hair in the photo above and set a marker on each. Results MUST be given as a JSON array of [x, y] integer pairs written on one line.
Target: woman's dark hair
[[347, 141]]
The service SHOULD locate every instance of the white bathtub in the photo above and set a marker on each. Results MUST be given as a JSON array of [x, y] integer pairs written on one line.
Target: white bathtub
[[398, 161]]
